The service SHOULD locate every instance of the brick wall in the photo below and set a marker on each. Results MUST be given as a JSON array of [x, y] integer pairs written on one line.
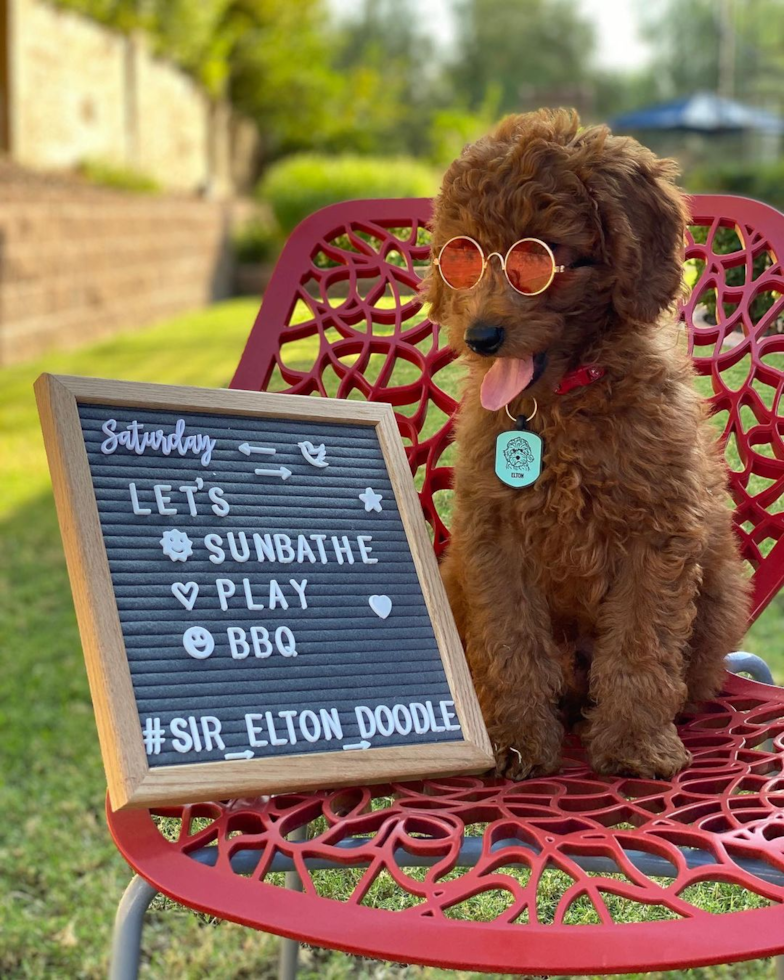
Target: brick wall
[[78, 263], [78, 91]]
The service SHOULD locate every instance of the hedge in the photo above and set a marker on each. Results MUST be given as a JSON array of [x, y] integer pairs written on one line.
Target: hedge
[[299, 185]]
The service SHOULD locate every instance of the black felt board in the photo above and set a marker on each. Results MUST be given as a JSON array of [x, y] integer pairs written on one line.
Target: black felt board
[[347, 655]]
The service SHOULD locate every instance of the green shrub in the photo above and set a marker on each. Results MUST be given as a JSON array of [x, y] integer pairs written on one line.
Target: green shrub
[[299, 185], [726, 241], [764, 182], [119, 177], [257, 241]]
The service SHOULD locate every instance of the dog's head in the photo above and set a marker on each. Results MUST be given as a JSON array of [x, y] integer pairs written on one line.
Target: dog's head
[[609, 210], [518, 453]]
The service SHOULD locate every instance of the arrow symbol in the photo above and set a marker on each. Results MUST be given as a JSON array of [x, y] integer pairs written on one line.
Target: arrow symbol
[[357, 745], [247, 754], [282, 471], [246, 449]]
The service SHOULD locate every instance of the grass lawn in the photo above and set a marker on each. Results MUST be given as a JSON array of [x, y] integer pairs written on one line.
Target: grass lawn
[[61, 875]]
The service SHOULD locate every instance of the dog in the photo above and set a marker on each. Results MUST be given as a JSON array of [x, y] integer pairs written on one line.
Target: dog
[[606, 587]]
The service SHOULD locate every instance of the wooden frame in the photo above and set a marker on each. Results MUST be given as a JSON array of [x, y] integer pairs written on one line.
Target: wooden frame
[[132, 782]]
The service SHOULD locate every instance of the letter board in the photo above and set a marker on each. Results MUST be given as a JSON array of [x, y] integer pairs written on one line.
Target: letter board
[[258, 599]]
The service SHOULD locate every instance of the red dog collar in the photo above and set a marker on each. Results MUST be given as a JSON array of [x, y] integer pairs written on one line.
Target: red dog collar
[[578, 378]]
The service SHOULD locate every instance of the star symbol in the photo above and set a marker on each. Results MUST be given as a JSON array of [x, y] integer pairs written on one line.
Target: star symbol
[[371, 500]]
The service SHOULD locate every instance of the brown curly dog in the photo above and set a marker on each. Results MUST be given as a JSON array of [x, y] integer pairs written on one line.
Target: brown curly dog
[[610, 588]]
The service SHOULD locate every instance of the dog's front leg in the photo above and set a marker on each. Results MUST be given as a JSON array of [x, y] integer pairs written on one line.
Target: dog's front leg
[[505, 624], [637, 674]]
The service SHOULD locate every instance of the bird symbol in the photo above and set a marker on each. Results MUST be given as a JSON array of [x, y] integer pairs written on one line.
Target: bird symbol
[[314, 454]]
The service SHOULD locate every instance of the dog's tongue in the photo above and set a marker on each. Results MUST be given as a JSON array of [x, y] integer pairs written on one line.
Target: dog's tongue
[[505, 380]]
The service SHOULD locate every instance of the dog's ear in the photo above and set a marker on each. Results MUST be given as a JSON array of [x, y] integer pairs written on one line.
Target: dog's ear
[[643, 219]]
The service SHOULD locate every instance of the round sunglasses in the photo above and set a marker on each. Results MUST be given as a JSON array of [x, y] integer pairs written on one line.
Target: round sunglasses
[[529, 264]]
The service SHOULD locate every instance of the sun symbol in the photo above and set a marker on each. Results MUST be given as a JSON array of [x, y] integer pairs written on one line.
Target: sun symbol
[[177, 545]]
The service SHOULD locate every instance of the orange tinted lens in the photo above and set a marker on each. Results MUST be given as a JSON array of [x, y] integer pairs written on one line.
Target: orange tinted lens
[[461, 263], [529, 267]]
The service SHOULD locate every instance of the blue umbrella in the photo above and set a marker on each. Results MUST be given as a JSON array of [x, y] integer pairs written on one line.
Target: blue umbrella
[[702, 112]]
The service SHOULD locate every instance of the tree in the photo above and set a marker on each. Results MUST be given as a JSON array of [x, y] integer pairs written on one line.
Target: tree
[[531, 52], [384, 38], [685, 36], [691, 38]]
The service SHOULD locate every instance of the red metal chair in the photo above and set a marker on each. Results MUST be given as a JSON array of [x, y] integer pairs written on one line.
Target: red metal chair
[[447, 843]]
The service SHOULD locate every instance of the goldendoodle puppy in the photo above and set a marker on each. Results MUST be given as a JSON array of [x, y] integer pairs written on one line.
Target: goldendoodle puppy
[[593, 570]]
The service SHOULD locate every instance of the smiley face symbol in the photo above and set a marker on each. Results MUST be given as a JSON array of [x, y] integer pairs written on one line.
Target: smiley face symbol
[[176, 545], [198, 642]]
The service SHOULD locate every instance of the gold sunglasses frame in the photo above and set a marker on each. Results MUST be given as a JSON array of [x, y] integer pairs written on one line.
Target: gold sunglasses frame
[[503, 258]]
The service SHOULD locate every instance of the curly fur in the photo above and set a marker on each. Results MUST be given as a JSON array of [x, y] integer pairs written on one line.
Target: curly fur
[[610, 590]]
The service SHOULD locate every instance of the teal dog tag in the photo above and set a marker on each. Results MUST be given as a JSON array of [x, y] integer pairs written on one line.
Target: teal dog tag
[[518, 457]]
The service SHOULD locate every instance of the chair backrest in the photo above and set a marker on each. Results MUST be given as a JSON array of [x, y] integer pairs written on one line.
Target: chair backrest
[[341, 318]]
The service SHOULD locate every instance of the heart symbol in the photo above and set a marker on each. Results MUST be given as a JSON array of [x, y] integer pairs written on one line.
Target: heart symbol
[[186, 592], [381, 605]]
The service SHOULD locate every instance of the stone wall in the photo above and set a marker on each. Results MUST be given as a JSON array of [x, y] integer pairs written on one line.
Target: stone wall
[[67, 84], [78, 263], [78, 91]]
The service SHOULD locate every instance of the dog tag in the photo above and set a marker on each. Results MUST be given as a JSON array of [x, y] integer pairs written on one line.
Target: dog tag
[[518, 456]]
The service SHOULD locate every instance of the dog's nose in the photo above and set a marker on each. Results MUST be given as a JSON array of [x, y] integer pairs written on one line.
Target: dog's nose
[[484, 339]]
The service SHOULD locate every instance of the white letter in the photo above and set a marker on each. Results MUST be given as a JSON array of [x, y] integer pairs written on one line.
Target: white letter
[[330, 722], [384, 721], [448, 715], [183, 741], [366, 730], [220, 506], [340, 548], [109, 445], [283, 548], [253, 731], [161, 500], [276, 596], [194, 732], [287, 716], [364, 550], [264, 548], [249, 596], [272, 733], [238, 554], [435, 726], [135, 501], [289, 648], [397, 711], [419, 714], [237, 642], [211, 729], [261, 645], [304, 550], [190, 492], [299, 588], [312, 718], [212, 542], [320, 539], [226, 589]]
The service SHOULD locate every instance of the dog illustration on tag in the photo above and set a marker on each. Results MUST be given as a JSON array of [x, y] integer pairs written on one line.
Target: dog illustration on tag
[[518, 454], [518, 458]]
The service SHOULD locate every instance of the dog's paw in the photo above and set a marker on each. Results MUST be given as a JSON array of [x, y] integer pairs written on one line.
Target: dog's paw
[[517, 759], [649, 756]]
